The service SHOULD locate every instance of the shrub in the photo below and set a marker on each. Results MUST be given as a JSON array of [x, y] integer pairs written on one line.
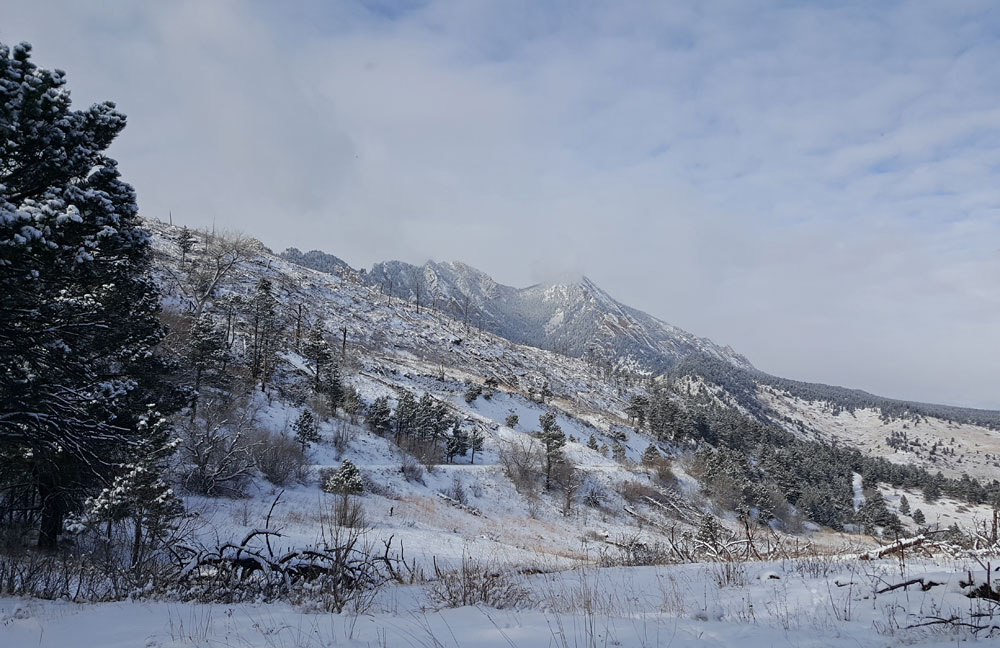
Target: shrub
[[278, 457], [477, 583], [523, 461], [635, 491], [411, 469], [511, 420], [472, 392]]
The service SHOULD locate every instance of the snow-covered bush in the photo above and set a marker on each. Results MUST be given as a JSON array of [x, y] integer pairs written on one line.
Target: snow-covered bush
[[478, 583], [346, 481]]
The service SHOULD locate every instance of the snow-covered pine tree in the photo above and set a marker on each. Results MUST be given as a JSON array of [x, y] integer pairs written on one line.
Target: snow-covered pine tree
[[305, 428], [346, 481], [208, 349], [78, 311], [405, 416], [185, 242], [476, 440], [352, 403], [456, 443], [378, 416], [708, 533], [317, 351], [553, 440], [511, 421], [139, 493], [618, 452], [651, 455], [264, 325]]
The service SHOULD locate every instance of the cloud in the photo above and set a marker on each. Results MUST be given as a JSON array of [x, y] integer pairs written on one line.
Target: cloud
[[815, 185]]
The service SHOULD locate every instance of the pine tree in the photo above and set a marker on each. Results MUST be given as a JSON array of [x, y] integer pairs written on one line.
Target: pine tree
[[185, 242], [708, 532], [904, 505], [592, 443], [346, 481], [457, 443], [378, 416], [264, 324], [932, 489], [511, 420], [305, 428], [553, 440], [331, 385], [208, 349], [317, 351], [352, 403], [918, 517], [138, 493], [78, 310], [618, 451], [405, 416], [636, 410], [476, 440], [651, 455]]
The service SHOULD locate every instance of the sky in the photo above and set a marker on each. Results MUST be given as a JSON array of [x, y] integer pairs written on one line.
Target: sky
[[816, 184]]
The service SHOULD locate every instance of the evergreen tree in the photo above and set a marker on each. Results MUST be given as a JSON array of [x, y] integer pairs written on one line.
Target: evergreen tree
[[511, 420], [138, 493], [476, 440], [553, 440], [351, 403], [636, 410], [306, 429], [873, 512], [457, 443], [592, 443], [618, 452], [208, 349], [405, 416], [346, 481], [185, 242], [904, 505], [317, 351], [932, 489], [709, 532], [918, 517], [331, 385], [78, 311], [378, 416], [264, 325], [651, 455]]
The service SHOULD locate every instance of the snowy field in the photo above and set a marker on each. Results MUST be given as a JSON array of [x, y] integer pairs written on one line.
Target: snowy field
[[819, 601]]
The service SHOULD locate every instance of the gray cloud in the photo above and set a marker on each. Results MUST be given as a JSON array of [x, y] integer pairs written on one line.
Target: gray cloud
[[816, 186]]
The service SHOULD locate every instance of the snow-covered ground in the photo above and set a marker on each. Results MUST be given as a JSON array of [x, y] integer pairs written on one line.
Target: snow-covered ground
[[818, 601]]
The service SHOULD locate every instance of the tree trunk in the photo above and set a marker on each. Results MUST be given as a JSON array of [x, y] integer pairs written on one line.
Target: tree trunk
[[136, 540], [52, 517]]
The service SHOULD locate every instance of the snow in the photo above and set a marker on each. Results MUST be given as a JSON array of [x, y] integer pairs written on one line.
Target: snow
[[767, 604], [859, 495]]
